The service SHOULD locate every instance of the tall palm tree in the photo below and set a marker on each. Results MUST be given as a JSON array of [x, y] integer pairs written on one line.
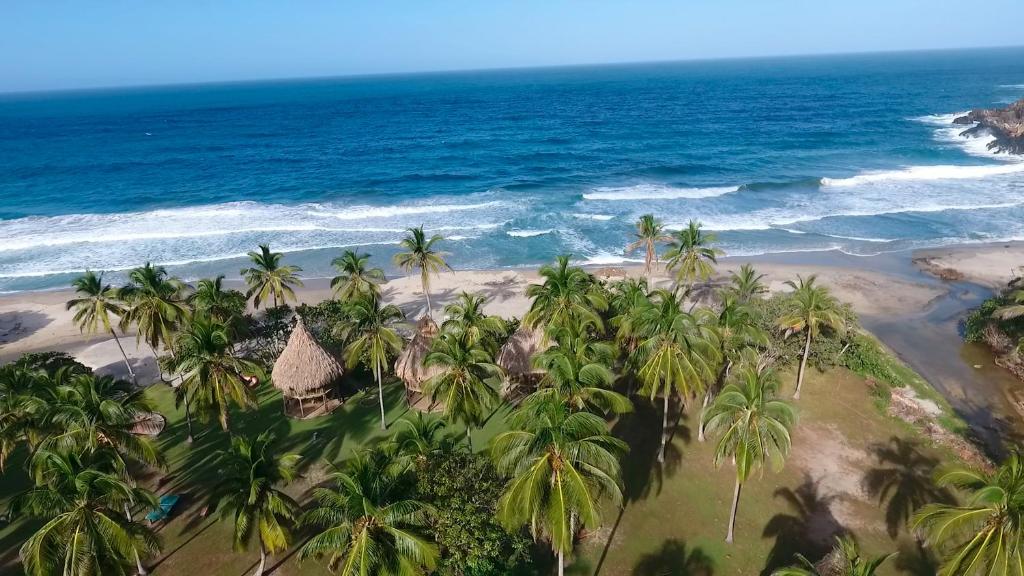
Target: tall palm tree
[[676, 354], [354, 278], [577, 370], [84, 529], [225, 306], [810, 309], [747, 284], [154, 304], [25, 400], [372, 339], [752, 425], [629, 298], [420, 254], [268, 278], [213, 374], [369, 522], [984, 535], [251, 478], [467, 382], [561, 465], [466, 316], [568, 296], [649, 233], [844, 560], [95, 303], [691, 255]]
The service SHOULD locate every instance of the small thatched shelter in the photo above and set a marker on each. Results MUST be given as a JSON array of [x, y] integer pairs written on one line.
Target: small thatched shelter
[[149, 424], [516, 356], [305, 374], [409, 365]]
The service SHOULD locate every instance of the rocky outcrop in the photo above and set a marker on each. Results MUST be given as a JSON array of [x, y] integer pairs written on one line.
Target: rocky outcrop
[[1005, 124]]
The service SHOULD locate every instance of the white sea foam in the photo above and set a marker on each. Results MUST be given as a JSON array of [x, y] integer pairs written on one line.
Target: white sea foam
[[598, 217], [529, 233], [940, 119], [1012, 86], [368, 212], [607, 258], [655, 192], [938, 172]]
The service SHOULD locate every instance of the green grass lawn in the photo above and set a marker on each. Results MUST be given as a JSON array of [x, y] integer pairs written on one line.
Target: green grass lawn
[[673, 523]]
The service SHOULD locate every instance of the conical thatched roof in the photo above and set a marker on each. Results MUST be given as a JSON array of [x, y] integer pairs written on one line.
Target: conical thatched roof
[[409, 365], [516, 356], [304, 369], [149, 424]]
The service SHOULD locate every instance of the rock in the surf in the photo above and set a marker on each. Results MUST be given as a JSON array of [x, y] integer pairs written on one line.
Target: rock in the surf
[[1005, 124]]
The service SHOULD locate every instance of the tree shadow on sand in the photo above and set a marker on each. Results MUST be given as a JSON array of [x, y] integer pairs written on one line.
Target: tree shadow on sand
[[903, 481], [809, 528], [673, 558]]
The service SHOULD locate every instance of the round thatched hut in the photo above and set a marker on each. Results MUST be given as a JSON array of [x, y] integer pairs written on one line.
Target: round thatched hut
[[409, 365], [516, 356], [306, 374], [148, 424]]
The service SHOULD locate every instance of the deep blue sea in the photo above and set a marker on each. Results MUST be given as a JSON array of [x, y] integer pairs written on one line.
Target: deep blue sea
[[855, 153]]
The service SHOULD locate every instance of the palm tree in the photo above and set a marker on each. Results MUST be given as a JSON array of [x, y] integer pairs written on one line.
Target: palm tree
[[569, 296], [251, 476], [561, 465], [467, 382], [354, 278], [676, 354], [269, 278], [24, 402], [984, 535], [649, 233], [844, 560], [369, 523], [95, 304], [225, 306], [747, 284], [628, 300], [577, 371], [420, 254], [690, 254], [155, 304], [417, 437], [752, 424], [810, 309], [373, 341], [85, 531], [213, 374], [466, 316]]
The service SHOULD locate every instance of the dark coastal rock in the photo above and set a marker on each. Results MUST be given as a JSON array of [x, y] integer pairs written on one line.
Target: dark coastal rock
[[1006, 124]]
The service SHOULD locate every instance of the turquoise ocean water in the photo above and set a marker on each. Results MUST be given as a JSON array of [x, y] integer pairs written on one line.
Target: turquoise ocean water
[[855, 153]]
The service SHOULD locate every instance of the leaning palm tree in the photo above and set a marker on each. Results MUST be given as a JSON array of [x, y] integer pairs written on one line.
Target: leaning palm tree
[[251, 477], [844, 560], [568, 296], [649, 233], [466, 315], [369, 521], [747, 284], [213, 374], [467, 382], [578, 371], [691, 255], [810, 309], [354, 278], [95, 303], [84, 530], [154, 304], [752, 425], [268, 278], [420, 254], [372, 340], [984, 535], [676, 354], [561, 465]]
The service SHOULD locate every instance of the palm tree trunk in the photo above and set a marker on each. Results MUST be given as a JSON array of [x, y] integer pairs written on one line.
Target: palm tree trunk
[[426, 294], [188, 416], [139, 568], [732, 515], [561, 563], [380, 396], [703, 408], [127, 364], [263, 560], [664, 430], [469, 438], [275, 298], [803, 365]]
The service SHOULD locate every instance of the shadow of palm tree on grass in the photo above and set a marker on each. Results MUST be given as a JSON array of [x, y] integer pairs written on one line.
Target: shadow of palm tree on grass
[[673, 558], [903, 481], [809, 529]]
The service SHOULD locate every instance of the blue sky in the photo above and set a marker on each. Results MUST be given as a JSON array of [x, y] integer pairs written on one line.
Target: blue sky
[[51, 44]]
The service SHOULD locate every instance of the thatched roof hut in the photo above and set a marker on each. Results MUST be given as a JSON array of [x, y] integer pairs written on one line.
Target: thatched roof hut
[[516, 356], [409, 365], [305, 371], [149, 424]]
